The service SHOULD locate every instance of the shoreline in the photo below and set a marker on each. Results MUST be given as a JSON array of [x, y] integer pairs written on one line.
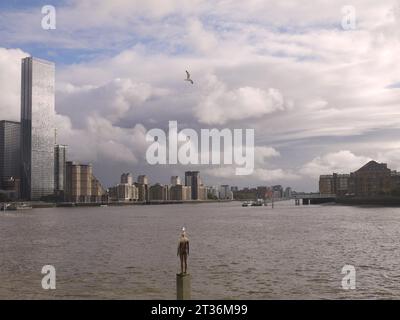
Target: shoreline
[[40, 204], [381, 201]]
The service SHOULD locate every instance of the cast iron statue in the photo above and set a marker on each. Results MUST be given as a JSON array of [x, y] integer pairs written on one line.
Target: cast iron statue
[[183, 250]]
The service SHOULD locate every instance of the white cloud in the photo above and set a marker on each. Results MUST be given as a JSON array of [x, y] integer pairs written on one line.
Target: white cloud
[[262, 171], [110, 101], [391, 157], [10, 83], [343, 161], [262, 154], [221, 105], [200, 39], [260, 175], [100, 141], [275, 175]]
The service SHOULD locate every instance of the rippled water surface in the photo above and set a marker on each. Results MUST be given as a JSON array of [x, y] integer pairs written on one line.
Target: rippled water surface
[[129, 252]]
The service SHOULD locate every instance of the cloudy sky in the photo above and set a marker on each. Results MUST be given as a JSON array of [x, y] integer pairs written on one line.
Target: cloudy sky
[[321, 98]]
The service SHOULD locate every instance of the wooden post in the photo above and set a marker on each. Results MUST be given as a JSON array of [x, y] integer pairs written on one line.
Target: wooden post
[[183, 286]]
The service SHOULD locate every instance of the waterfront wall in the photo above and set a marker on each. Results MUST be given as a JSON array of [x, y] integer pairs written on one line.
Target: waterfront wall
[[376, 201]]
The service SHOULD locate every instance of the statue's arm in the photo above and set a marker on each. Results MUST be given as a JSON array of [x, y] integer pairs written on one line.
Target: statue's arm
[[188, 247], [177, 251]]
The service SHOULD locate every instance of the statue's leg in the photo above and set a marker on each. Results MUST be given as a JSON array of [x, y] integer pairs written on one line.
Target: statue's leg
[[181, 256], [185, 262]]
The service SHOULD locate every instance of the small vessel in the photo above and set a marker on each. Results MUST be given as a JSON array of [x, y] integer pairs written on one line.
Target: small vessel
[[19, 206], [257, 203], [4, 206]]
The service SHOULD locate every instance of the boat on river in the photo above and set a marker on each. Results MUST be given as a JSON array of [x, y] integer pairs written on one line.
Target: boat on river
[[246, 204], [18, 206], [255, 203]]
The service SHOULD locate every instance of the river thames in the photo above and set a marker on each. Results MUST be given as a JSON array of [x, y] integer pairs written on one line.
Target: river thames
[[289, 252]]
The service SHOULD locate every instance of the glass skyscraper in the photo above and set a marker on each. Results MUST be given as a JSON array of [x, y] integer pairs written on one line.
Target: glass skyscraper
[[192, 179], [59, 168], [9, 150], [37, 128]]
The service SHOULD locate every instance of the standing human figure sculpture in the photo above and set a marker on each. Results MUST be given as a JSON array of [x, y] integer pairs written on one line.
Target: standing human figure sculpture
[[183, 250]]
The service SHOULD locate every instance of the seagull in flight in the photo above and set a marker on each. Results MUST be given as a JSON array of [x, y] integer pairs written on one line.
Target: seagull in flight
[[188, 77]]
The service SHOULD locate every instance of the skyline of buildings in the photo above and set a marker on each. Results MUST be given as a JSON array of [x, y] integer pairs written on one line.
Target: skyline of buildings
[[371, 180], [176, 191], [127, 178], [107, 88], [34, 167], [175, 180], [225, 192], [180, 192], [81, 185], [125, 190]]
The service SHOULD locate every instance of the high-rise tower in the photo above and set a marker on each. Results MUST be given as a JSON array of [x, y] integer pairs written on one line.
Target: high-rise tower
[[9, 150], [37, 128]]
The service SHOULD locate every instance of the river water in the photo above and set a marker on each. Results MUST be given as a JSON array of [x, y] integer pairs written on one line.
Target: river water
[[289, 252]]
